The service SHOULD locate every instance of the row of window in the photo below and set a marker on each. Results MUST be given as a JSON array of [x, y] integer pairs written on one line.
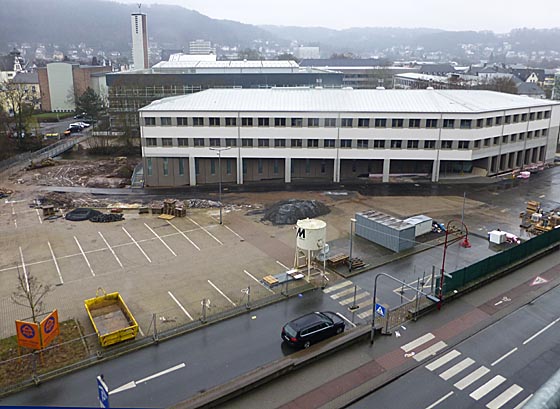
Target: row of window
[[348, 122], [343, 143]]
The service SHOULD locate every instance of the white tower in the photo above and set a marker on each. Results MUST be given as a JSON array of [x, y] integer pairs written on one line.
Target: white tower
[[311, 237], [139, 40]]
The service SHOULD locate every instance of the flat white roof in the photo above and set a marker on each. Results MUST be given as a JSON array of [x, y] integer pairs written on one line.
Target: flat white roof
[[346, 100], [208, 63]]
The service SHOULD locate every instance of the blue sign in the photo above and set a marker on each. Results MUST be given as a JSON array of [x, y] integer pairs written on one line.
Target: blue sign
[[102, 392], [380, 310]]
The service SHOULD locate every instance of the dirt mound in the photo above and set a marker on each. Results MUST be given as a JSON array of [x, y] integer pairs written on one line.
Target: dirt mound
[[290, 211]]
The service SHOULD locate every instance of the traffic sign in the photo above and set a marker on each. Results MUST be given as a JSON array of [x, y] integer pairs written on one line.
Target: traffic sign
[[102, 392], [380, 310]]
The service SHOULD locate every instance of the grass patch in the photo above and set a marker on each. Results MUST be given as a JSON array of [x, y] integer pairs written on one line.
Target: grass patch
[[66, 349], [52, 116]]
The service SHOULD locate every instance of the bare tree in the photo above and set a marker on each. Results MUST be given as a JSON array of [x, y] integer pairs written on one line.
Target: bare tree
[[20, 104], [30, 293]]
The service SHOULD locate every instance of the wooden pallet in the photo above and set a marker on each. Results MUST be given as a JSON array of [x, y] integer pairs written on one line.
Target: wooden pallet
[[337, 259]]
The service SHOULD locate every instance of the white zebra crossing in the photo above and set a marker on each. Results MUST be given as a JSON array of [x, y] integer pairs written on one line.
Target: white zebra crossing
[[343, 293], [337, 286]]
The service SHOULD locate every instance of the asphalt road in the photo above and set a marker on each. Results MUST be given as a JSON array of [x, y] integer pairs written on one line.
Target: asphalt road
[[197, 361], [514, 357]]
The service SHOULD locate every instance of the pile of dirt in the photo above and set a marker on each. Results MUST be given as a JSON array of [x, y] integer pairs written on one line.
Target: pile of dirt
[[4, 192], [41, 164], [80, 214], [71, 200], [105, 173], [290, 211]]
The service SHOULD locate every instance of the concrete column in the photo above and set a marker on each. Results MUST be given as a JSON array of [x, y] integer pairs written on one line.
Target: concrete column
[[386, 170], [192, 171], [288, 170], [336, 170], [435, 171], [239, 163]]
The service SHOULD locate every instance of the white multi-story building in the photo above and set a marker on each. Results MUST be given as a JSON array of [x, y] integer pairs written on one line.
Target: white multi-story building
[[201, 47], [342, 135], [139, 41]]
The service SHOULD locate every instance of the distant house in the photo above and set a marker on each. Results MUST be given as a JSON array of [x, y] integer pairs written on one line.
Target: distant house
[[10, 65], [29, 82], [530, 89]]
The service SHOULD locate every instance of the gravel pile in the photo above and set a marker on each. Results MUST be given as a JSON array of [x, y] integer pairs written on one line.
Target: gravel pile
[[290, 211]]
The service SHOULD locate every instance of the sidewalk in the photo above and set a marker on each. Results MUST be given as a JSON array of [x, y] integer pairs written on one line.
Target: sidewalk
[[350, 374]]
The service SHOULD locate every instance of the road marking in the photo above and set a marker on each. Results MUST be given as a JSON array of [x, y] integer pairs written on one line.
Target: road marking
[[137, 245], [13, 210], [345, 319], [110, 249], [15, 222], [133, 384], [24, 269], [180, 305], [503, 357], [342, 293], [334, 287], [140, 330], [85, 257], [365, 314], [220, 291], [359, 296], [183, 234], [240, 238], [437, 402], [541, 331], [160, 239], [443, 360], [505, 397], [55, 263], [39, 216], [430, 351], [282, 265], [455, 369], [524, 402], [210, 234], [472, 377], [417, 342], [254, 278], [488, 387]]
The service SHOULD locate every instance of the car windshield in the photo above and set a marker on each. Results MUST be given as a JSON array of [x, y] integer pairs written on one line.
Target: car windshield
[[290, 331]]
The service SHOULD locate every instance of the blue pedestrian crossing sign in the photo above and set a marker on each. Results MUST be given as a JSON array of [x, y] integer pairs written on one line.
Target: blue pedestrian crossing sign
[[380, 310], [102, 392]]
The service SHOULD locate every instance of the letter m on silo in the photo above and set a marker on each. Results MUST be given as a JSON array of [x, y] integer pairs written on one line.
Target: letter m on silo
[[301, 233]]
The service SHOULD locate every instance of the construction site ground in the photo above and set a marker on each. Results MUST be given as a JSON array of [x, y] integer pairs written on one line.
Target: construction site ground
[[168, 267]]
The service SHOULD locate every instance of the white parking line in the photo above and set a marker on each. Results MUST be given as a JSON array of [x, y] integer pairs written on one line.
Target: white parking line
[[85, 257], [24, 269], [183, 234], [39, 216], [282, 265], [180, 305], [540, 332], [160, 239], [437, 402], [220, 291], [240, 238], [140, 330], [110, 249], [137, 245], [254, 278], [13, 210], [500, 359], [210, 234], [15, 223], [345, 319], [55, 263]]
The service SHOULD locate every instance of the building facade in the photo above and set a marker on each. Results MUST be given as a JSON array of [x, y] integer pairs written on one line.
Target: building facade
[[139, 41], [339, 135], [61, 83], [132, 90]]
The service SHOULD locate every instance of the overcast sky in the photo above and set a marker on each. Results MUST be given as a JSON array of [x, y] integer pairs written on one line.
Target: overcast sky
[[496, 15]]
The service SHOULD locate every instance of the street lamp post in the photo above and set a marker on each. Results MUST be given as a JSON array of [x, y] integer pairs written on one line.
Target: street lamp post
[[352, 221], [219, 150]]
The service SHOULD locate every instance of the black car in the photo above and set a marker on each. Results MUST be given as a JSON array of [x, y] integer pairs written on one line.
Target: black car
[[312, 328]]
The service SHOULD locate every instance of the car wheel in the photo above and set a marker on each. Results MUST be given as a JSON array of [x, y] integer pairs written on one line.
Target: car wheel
[[307, 345], [339, 330]]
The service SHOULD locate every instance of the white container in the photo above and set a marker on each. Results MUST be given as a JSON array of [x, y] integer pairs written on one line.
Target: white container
[[422, 224], [311, 234], [497, 237]]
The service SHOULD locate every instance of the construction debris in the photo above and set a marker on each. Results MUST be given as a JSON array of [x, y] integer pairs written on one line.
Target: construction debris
[[5, 192], [201, 203], [42, 164], [81, 214], [107, 218], [290, 211], [536, 220]]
